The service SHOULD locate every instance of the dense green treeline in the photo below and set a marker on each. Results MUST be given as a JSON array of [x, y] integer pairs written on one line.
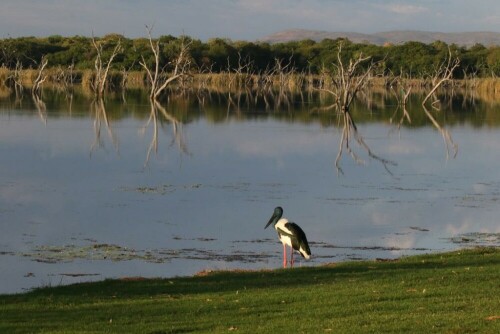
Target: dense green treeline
[[216, 55]]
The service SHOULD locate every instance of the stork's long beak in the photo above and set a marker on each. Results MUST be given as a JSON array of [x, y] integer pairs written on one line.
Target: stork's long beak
[[270, 220]]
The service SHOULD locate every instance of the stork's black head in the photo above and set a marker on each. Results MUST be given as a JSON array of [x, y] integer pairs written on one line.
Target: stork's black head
[[278, 212]]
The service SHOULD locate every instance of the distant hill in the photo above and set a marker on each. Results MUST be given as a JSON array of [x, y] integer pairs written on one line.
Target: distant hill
[[486, 38]]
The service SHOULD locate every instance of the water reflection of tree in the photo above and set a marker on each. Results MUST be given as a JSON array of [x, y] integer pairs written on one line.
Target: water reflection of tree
[[98, 112], [157, 116], [450, 145], [347, 81], [40, 107], [350, 132], [443, 74]]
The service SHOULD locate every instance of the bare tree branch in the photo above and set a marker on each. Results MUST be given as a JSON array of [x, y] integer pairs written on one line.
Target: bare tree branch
[[443, 74], [347, 82], [40, 79], [101, 67], [158, 77]]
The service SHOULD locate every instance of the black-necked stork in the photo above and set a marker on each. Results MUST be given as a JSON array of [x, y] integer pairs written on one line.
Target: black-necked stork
[[289, 234]]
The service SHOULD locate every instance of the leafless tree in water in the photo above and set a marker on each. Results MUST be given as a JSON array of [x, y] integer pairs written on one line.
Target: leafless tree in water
[[101, 67], [15, 79], [159, 78], [283, 73], [36, 90], [442, 74], [401, 89], [65, 78], [40, 78], [347, 81], [240, 81]]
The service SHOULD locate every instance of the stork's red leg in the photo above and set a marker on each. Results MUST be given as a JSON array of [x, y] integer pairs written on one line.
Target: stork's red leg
[[284, 256]]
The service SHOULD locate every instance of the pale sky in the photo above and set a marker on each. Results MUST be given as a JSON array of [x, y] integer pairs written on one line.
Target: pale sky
[[241, 19]]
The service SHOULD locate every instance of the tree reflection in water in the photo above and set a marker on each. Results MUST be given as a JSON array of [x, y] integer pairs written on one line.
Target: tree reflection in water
[[155, 117], [98, 112]]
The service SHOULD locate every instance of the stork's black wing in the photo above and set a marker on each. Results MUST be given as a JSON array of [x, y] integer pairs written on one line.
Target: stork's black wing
[[298, 237]]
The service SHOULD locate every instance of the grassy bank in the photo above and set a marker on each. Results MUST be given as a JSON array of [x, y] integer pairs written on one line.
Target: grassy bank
[[454, 292]]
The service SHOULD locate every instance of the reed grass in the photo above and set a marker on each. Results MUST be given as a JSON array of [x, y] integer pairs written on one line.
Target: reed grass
[[135, 79], [4, 74], [489, 84], [487, 88]]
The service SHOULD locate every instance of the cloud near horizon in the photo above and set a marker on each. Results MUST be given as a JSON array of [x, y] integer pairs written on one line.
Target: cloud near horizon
[[406, 9]]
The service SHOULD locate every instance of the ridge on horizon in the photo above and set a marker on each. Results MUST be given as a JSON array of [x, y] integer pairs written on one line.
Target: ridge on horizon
[[466, 38]]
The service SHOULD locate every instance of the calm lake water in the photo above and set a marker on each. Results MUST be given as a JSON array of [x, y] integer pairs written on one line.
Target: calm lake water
[[90, 191]]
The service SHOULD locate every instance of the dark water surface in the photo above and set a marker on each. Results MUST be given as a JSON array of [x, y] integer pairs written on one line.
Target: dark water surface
[[81, 200]]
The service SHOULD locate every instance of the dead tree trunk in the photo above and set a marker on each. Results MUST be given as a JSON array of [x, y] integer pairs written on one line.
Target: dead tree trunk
[[443, 74], [98, 84], [157, 76], [347, 82], [15, 78], [350, 80], [402, 89], [283, 72], [40, 79]]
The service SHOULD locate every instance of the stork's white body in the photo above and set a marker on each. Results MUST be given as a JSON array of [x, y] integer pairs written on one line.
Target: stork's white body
[[285, 239]]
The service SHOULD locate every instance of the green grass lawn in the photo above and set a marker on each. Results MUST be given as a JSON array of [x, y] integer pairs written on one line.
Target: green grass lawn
[[456, 292]]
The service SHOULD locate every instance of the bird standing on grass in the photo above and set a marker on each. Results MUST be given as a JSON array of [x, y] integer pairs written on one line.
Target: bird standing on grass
[[289, 234]]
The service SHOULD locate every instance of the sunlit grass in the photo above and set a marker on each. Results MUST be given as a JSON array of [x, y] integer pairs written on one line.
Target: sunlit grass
[[455, 292]]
